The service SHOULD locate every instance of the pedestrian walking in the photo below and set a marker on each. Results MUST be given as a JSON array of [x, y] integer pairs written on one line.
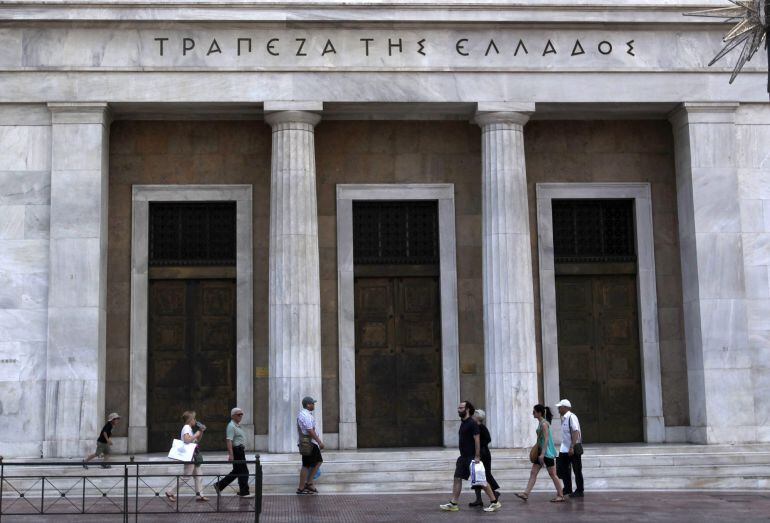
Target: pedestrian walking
[[470, 452], [104, 442], [192, 432], [486, 458], [235, 438], [546, 454], [571, 451], [310, 446]]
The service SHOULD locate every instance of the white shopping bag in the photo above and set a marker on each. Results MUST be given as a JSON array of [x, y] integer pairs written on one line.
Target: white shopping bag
[[478, 475], [182, 451]]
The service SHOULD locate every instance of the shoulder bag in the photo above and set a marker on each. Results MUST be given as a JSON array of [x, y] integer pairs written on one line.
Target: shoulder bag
[[305, 442]]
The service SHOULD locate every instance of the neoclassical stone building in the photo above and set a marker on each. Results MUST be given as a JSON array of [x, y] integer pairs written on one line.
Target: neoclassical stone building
[[389, 206]]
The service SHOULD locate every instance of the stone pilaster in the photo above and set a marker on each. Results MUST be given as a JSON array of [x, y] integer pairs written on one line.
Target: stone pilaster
[[510, 366], [294, 289], [715, 319], [75, 361]]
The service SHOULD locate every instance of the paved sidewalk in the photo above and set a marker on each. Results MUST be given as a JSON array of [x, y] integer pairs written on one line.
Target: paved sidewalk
[[645, 507]]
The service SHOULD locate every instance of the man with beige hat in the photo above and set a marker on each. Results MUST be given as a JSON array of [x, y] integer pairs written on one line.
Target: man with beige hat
[[104, 441]]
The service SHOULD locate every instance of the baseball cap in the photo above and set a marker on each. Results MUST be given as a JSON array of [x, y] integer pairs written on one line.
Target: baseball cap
[[113, 416], [307, 400], [564, 403]]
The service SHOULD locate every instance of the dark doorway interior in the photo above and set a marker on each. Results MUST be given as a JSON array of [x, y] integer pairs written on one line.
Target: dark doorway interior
[[397, 324], [191, 320], [597, 317]]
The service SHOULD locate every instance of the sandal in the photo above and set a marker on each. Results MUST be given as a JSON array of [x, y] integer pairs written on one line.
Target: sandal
[[301, 491], [311, 488], [522, 496], [558, 499], [201, 498]]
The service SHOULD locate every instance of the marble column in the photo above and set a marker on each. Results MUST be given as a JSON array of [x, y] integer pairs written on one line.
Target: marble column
[[510, 366], [715, 319], [294, 288], [75, 361]]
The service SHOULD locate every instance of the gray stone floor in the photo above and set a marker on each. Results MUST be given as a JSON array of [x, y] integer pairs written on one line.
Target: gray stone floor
[[595, 507]]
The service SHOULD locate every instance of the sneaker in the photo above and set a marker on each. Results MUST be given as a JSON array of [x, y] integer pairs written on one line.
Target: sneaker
[[450, 507], [84, 465], [477, 503], [493, 507], [246, 495], [576, 495]]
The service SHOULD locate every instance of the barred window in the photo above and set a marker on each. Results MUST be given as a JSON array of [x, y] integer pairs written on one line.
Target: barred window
[[395, 232], [593, 231], [192, 233]]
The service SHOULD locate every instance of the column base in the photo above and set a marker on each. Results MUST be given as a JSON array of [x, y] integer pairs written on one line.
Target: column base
[[137, 440], [68, 448], [654, 429], [348, 435]]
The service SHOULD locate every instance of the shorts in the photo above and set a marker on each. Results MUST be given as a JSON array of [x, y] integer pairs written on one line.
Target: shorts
[[102, 448], [463, 467], [314, 458], [549, 462]]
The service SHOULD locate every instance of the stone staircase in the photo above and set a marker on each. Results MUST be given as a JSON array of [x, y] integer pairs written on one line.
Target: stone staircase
[[605, 467]]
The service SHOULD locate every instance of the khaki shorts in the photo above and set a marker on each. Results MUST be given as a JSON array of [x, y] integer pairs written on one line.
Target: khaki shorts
[[102, 448]]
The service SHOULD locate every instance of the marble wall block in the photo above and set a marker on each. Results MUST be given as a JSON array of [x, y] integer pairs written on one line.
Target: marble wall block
[[25, 145], [77, 286], [753, 161], [712, 255]]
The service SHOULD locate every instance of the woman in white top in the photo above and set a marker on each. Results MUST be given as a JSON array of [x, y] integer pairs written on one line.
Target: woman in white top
[[192, 433]]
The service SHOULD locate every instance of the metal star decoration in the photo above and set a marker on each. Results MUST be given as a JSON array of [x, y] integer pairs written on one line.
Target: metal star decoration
[[751, 29]]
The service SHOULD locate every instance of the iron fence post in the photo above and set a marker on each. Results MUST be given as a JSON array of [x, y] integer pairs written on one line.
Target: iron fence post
[[257, 488], [42, 495], [2, 480], [125, 493], [136, 490]]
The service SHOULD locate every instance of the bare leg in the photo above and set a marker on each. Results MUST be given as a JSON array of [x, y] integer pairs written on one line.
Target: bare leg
[[90, 457], [490, 494], [311, 475], [456, 488], [302, 478], [556, 481], [532, 478]]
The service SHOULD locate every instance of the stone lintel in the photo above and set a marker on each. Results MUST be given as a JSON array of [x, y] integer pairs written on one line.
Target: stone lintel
[[703, 112]]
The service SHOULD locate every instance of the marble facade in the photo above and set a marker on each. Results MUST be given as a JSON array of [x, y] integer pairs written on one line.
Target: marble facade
[[96, 101]]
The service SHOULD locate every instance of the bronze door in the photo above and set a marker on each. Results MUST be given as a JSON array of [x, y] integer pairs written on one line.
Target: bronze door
[[398, 362], [599, 361], [191, 342]]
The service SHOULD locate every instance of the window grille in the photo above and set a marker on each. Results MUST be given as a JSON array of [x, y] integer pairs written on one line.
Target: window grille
[[593, 231], [395, 232], [192, 233]]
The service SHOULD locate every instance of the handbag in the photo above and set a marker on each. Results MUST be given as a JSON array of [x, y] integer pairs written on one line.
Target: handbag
[[577, 448], [534, 453], [478, 475], [181, 451]]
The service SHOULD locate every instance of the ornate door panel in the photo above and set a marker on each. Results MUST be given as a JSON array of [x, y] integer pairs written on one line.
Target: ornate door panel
[[191, 358], [398, 362], [599, 360]]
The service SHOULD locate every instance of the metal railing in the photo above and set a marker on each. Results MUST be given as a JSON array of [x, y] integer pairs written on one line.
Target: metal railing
[[128, 488]]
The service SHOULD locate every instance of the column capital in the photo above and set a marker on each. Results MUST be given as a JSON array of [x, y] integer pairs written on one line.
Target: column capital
[[287, 117], [80, 112], [703, 112], [484, 119]]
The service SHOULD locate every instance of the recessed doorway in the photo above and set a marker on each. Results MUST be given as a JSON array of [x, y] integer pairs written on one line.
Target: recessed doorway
[[397, 324]]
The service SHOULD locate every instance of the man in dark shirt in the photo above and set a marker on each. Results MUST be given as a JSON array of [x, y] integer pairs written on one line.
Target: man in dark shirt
[[470, 452], [104, 441]]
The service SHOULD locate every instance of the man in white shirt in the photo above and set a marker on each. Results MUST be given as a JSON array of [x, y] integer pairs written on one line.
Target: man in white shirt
[[568, 458], [306, 428]]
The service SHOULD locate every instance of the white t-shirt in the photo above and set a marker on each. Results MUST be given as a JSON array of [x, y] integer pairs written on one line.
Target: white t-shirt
[[305, 422], [187, 429], [569, 422]]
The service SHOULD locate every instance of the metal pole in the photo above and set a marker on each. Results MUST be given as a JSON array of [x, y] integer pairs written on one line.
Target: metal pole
[[125, 493], [2, 480], [42, 495], [83, 507], [257, 488], [136, 492]]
